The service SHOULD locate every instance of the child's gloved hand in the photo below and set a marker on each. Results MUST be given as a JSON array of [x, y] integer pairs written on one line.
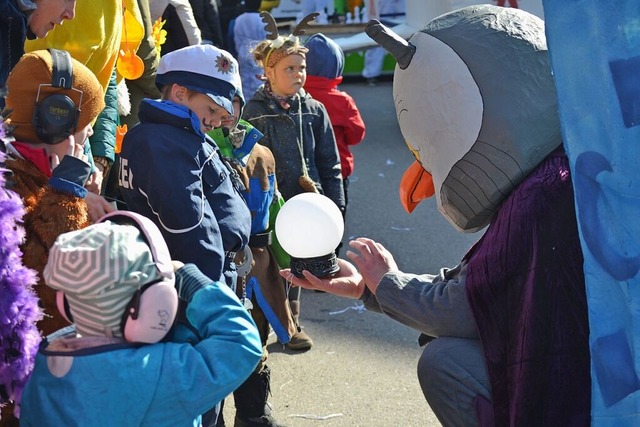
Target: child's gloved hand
[[189, 280], [307, 184]]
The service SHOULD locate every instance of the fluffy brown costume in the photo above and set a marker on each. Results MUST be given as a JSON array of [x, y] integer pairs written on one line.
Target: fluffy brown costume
[[49, 213], [265, 269]]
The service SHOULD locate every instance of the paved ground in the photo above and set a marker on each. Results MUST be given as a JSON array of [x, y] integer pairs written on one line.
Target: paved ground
[[362, 368]]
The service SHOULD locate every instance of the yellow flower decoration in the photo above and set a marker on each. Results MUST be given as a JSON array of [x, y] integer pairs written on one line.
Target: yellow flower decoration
[[159, 35]]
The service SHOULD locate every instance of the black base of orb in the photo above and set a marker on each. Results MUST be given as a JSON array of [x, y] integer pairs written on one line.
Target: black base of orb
[[319, 266]]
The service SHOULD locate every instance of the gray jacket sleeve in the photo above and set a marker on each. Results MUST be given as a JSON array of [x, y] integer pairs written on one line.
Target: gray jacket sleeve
[[434, 305]]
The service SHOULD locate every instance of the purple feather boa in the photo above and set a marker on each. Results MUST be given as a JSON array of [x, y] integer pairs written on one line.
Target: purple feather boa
[[19, 311]]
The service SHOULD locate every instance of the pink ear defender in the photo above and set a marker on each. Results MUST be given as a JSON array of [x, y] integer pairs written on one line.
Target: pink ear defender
[[153, 308]]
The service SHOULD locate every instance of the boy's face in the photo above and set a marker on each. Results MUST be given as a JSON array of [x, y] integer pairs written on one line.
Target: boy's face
[[50, 13], [208, 112], [288, 75], [230, 120]]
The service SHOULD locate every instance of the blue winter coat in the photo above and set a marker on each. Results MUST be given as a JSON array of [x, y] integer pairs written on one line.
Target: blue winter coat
[[96, 381], [170, 173]]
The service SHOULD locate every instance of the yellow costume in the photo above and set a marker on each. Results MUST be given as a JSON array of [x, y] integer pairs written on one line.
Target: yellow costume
[[96, 35]]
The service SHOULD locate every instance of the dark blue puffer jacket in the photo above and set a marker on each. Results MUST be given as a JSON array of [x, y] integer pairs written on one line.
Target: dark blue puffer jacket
[[170, 173]]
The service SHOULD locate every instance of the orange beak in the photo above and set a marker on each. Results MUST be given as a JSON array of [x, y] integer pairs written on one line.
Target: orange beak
[[415, 186]]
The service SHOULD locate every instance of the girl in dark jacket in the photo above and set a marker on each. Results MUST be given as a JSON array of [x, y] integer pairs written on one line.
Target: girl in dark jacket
[[296, 129]]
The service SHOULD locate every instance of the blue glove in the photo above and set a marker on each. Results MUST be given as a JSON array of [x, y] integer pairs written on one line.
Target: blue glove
[[189, 280]]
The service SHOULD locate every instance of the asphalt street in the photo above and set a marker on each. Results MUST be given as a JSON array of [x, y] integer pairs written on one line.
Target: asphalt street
[[362, 369]]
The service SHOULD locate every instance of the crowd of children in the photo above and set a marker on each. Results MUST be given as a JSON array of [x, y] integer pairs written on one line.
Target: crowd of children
[[188, 272]]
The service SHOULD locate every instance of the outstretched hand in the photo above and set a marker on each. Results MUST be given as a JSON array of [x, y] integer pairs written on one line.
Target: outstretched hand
[[372, 260], [347, 282]]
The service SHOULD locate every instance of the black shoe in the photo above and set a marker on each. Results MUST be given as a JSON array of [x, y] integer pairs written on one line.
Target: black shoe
[[262, 421], [252, 406]]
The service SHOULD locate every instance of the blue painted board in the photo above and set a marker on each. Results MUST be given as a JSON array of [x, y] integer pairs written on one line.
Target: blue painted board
[[595, 56]]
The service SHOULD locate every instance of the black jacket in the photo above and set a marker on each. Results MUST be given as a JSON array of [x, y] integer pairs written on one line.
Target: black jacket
[[13, 33], [283, 131], [208, 20]]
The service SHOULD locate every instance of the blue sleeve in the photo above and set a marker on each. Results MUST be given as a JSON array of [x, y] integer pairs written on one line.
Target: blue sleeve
[[206, 371], [190, 280], [259, 201], [70, 176]]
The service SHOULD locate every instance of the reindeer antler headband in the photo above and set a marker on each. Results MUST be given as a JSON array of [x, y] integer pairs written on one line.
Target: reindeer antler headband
[[281, 46]]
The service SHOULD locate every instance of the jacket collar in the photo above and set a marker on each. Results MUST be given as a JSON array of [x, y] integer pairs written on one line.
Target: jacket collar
[[37, 156], [167, 112], [262, 95]]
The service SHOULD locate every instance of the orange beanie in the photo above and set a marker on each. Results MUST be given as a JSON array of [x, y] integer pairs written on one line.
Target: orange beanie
[[30, 72]]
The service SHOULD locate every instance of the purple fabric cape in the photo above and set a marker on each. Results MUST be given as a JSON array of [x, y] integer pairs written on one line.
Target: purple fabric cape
[[526, 288]]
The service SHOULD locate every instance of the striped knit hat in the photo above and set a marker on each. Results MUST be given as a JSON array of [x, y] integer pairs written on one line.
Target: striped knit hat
[[99, 268]]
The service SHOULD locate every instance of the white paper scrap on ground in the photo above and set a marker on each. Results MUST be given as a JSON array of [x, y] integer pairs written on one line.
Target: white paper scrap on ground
[[316, 417], [357, 306]]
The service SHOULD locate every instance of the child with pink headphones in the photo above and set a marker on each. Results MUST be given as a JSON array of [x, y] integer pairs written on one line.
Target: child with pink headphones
[[155, 342]]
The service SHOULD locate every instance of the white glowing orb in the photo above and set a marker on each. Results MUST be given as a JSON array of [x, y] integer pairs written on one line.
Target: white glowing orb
[[309, 225]]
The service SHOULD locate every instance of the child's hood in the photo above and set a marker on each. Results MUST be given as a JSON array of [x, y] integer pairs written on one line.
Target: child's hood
[[321, 83], [325, 58]]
